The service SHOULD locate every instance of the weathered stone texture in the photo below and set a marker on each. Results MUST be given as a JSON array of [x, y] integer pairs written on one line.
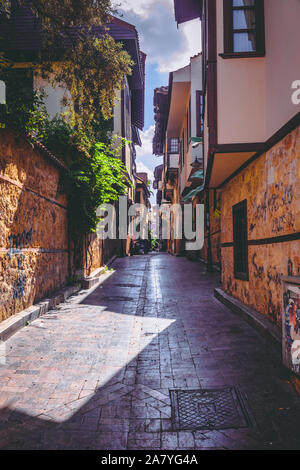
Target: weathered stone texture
[[215, 231], [267, 263], [33, 226], [271, 185], [97, 252]]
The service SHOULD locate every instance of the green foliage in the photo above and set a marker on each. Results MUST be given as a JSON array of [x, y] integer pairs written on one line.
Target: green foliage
[[149, 186], [153, 240], [107, 270], [90, 67], [92, 182], [92, 72], [58, 136], [24, 110], [96, 174], [5, 6]]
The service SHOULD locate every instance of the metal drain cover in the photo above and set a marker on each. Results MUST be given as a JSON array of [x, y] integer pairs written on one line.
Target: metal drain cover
[[208, 409]]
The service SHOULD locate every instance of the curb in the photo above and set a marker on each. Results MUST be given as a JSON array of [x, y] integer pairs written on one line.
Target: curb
[[254, 318], [16, 322], [94, 279]]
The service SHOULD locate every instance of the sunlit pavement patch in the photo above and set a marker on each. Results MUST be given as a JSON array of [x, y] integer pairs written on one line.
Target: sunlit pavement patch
[[99, 376]]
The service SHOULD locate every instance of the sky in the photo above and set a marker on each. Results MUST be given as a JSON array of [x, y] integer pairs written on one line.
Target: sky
[[168, 48]]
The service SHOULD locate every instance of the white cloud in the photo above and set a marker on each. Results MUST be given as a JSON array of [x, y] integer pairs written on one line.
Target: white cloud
[[142, 168], [165, 45], [143, 7], [146, 138], [190, 34], [145, 161]]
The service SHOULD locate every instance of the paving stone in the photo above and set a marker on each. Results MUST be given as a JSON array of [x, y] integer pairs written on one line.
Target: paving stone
[[169, 441], [186, 440], [97, 375]]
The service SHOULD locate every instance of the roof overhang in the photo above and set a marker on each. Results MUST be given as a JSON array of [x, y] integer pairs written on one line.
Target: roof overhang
[[190, 192], [140, 183], [187, 10], [227, 160], [196, 174], [179, 98]]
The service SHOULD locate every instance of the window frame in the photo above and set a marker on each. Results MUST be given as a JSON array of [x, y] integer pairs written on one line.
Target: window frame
[[3, 105], [199, 113], [229, 52], [138, 197], [170, 150], [194, 216], [189, 125], [239, 252], [182, 149]]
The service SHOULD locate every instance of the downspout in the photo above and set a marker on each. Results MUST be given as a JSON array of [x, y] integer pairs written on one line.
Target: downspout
[[209, 266], [212, 110]]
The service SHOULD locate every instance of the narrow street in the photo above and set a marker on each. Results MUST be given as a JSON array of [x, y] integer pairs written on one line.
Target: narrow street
[[96, 372]]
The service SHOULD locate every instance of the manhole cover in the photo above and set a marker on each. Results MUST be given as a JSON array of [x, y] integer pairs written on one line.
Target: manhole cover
[[208, 409]]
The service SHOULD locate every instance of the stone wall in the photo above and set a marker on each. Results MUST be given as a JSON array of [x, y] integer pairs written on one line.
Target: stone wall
[[215, 230], [97, 252], [35, 259], [33, 226], [271, 185]]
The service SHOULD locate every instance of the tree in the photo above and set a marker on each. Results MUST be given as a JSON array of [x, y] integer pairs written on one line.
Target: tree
[[89, 64], [92, 64]]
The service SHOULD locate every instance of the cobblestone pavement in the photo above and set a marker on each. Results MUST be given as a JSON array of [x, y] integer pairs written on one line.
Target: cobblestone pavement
[[96, 372]]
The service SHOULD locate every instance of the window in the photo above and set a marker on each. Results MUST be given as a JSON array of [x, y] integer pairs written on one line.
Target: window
[[244, 27], [2, 103], [19, 85], [2, 92], [187, 131], [188, 127], [173, 145], [126, 105], [182, 149], [138, 197], [240, 241], [190, 122], [199, 111], [194, 217]]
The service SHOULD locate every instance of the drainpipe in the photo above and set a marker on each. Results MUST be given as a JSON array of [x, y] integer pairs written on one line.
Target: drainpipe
[[209, 266]]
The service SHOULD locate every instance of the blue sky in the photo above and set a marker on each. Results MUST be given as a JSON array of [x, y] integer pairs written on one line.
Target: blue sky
[[168, 48], [154, 79]]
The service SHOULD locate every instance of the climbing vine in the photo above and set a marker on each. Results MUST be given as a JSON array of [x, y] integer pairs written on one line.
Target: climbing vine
[[92, 182], [95, 175], [90, 66]]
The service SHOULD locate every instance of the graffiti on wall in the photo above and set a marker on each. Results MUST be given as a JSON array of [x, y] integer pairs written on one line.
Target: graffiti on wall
[[272, 281], [20, 240], [291, 325], [16, 258], [281, 198]]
